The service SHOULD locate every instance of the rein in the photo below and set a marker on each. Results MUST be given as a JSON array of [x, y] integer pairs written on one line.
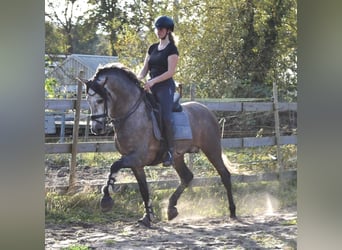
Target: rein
[[116, 121]]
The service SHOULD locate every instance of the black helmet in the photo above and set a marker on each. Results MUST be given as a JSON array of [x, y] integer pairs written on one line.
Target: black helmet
[[164, 22]]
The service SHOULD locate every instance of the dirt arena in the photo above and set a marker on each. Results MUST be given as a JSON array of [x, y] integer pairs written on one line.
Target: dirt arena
[[276, 231]]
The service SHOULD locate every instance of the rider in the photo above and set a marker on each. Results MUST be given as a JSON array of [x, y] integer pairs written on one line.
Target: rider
[[161, 61]]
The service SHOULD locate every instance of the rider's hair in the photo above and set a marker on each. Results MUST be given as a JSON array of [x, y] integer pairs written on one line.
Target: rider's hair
[[171, 38]]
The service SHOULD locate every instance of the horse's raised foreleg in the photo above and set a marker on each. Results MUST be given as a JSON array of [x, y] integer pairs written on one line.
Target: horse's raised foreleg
[[186, 176], [141, 179], [107, 201]]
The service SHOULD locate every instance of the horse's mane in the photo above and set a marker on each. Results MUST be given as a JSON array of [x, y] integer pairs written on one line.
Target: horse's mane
[[120, 66]]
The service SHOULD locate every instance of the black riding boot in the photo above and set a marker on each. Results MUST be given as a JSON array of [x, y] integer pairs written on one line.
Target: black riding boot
[[168, 160]]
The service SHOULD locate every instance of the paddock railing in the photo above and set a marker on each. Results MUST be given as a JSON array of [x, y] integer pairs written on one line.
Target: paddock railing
[[60, 106], [53, 107]]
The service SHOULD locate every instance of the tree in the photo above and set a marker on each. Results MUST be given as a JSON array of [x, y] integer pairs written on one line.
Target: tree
[[110, 18], [62, 14], [55, 42], [205, 47], [238, 48], [260, 51], [138, 33], [228, 48], [87, 39]]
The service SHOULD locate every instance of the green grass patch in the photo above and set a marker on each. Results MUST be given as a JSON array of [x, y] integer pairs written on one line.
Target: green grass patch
[[210, 201], [85, 208]]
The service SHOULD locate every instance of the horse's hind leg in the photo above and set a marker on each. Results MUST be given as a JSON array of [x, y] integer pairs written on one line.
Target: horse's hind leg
[[215, 157], [185, 176]]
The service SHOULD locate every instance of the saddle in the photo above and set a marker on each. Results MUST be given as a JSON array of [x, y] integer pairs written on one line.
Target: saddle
[[182, 129], [156, 112]]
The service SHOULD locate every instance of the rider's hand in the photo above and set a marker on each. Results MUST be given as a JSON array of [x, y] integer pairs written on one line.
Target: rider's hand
[[148, 85]]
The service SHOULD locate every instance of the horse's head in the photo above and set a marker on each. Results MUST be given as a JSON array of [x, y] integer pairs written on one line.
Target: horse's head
[[97, 98], [113, 94]]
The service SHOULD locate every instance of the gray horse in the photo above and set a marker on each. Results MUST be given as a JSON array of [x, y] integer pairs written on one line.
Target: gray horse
[[114, 94]]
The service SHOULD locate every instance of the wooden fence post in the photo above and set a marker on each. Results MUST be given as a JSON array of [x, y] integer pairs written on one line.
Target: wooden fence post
[[277, 130], [192, 98], [87, 127], [62, 132], [73, 162]]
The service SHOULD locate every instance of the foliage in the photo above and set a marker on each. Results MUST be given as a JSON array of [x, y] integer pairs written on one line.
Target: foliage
[[87, 40], [240, 50], [55, 42], [50, 87], [64, 20], [228, 48], [109, 17]]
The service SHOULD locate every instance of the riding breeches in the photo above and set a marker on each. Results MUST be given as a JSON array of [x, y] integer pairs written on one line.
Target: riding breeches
[[164, 96]]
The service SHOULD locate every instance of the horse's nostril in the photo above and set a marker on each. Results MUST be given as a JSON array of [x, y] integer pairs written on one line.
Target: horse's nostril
[[97, 128]]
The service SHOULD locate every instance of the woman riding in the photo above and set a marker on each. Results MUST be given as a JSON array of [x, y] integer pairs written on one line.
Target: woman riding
[[160, 62]]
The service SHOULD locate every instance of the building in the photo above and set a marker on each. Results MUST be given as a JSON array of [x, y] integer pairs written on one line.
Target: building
[[77, 65]]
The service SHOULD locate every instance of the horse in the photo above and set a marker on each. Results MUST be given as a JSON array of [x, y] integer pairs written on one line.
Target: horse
[[114, 95]]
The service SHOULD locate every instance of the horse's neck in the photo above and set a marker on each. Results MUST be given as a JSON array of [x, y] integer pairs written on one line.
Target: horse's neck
[[125, 101]]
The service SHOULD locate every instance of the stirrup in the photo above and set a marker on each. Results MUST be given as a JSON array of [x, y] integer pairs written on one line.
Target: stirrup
[[168, 160]]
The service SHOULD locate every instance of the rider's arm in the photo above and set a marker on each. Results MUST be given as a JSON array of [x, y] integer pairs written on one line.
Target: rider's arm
[[144, 70], [172, 64]]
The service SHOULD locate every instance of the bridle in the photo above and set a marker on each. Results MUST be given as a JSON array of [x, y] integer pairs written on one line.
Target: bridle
[[103, 92]]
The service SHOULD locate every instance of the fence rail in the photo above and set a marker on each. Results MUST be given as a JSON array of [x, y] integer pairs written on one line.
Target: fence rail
[[169, 184], [108, 146], [70, 104], [58, 105]]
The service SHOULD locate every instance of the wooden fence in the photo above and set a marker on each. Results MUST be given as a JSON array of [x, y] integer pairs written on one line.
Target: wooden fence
[[61, 105], [169, 184]]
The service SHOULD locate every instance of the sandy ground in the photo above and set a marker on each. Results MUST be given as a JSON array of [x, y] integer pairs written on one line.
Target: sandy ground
[[275, 230]]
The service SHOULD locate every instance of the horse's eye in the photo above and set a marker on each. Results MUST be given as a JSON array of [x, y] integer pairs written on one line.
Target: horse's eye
[[99, 101]]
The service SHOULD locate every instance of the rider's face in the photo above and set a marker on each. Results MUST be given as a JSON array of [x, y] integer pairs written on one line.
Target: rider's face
[[161, 32]]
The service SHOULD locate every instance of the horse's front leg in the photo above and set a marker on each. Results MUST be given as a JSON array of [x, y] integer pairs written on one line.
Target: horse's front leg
[[107, 201], [141, 179]]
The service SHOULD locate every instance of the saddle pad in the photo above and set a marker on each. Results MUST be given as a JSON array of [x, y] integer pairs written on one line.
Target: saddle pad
[[181, 126]]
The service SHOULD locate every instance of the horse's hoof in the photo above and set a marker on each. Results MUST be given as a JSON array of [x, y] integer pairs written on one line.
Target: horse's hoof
[[145, 221], [107, 203], [172, 213], [233, 217]]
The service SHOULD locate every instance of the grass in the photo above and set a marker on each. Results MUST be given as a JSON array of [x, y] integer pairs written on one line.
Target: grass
[[250, 199]]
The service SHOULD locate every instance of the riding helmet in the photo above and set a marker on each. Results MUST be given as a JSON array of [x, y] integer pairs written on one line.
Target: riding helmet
[[164, 22]]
